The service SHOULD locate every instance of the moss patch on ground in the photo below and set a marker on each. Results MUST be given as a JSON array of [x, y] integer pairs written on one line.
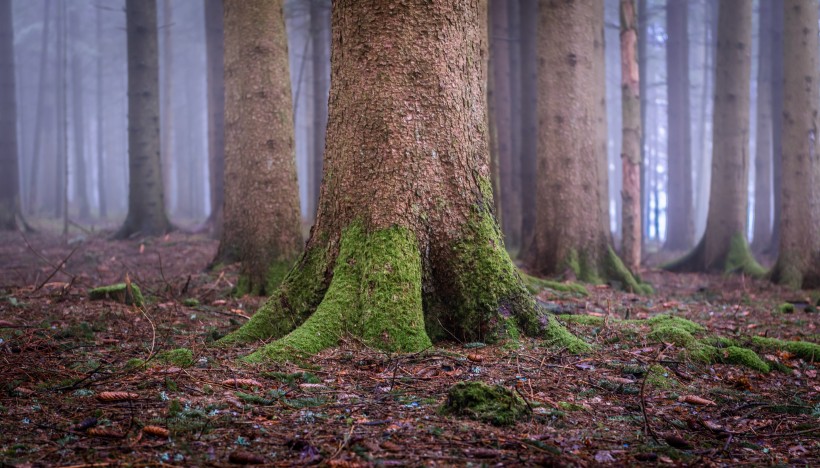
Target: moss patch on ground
[[536, 285], [490, 404], [119, 292], [181, 357], [802, 349], [556, 335]]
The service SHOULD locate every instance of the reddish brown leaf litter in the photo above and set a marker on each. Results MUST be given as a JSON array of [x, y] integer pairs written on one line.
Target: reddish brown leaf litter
[[632, 401]]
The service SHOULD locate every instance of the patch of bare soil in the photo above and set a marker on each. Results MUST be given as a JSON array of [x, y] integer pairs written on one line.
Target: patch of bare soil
[[90, 382]]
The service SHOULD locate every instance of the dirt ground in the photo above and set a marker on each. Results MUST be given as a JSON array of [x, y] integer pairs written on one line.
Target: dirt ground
[[89, 383]]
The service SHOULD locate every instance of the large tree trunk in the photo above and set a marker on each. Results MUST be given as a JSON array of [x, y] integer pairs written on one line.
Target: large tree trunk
[[601, 124], [146, 205], [405, 235], [762, 230], [101, 166], [166, 111], [9, 182], [78, 121], [680, 231], [777, 120], [40, 115], [216, 111], [723, 246], [798, 263], [320, 38], [631, 139], [262, 226], [569, 234], [529, 120]]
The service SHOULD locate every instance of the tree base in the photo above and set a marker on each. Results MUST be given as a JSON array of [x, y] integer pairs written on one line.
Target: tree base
[[737, 259]]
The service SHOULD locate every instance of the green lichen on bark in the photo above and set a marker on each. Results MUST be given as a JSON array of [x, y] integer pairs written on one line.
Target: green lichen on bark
[[740, 258], [617, 271], [375, 294], [495, 405], [290, 305], [118, 292]]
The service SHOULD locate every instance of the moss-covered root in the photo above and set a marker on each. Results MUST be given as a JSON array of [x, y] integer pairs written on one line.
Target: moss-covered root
[[276, 274], [476, 400], [118, 292], [738, 259], [535, 285], [556, 335], [290, 305], [617, 271], [375, 294]]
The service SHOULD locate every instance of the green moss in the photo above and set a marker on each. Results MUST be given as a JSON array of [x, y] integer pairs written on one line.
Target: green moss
[[558, 336], [704, 353], [740, 259], [590, 320], [786, 308], [802, 349], [190, 302], [617, 271], [672, 334], [375, 294], [181, 357], [671, 320], [535, 285], [134, 363], [118, 292], [743, 357], [290, 305], [277, 272], [476, 400], [658, 377]]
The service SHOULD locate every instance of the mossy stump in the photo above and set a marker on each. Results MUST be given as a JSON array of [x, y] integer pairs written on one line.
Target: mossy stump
[[495, 405], [119, 292]]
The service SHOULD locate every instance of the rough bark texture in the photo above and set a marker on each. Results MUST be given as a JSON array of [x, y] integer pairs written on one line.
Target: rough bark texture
[[216, 111], [723, 246], [405, 247], [492, 111], [763, 148], [777, 120], [601, 127], [100, 93], [798, 263], [262, 220], [529, 120], [320, 40], [569, 237], [9, 183], [631, 139], [680, 231], [79, 169], [146, 206]]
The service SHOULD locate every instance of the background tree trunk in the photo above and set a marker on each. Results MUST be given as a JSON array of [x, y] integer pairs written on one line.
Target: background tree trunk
[[78, 121], [40, 117], [680, 232], [101, 165], [762, 232], [9, 164], [529, 120], [216, 110], [405, 234], [798, 263], [631, 140], [320, 39], [723, 246], [777, 120], [146, 205], [569, 234], [262, 226]]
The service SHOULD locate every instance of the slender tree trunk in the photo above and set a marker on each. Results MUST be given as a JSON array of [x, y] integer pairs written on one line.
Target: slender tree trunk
[[680, 233], [262, 221], [101, 166], [798, 262], [513, 216], [61, 199], [777, 120], [216, 110], [320, 37], [763, 148], [405, 235], [631, 140], [569, 237], [602, 130], [704, 166], [167, 109], [146, 205], [40, 114], [9, 164], [723, 246], [78, 122], [529, 119], [643, 71]]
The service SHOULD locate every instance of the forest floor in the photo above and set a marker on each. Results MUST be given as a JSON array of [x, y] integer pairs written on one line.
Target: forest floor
[[635, 399]]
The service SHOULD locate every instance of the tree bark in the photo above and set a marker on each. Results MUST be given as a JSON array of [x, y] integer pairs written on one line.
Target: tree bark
[[78, 122], [146, 205], [777, 120], [631, 140], [405, 235], [529, 120], [723, 246], [40, 114], [101, 166], [262, 226], [320, 39], [569, 236], [762, 230], [680, 230], [798, 262], [216, 110], [9, 164]]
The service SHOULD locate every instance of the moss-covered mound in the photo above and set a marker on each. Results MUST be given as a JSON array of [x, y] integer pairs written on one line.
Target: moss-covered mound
[[181, 357], [802, 349], [119, 292], [491, 404]]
